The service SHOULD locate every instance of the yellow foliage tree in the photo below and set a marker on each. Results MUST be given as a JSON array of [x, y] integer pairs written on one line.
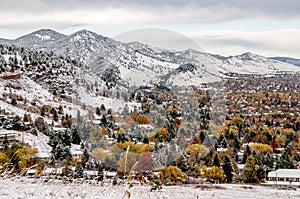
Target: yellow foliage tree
[[197, 151], [3, 158], [100, 154], [163, 132], [260, 148], [141, 148], [281, 139], [136, 148], [213, 173], [26, 157], [172, 173]]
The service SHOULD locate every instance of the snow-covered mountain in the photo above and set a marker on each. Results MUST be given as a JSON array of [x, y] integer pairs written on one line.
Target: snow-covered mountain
[[135, 64], [288, 60]]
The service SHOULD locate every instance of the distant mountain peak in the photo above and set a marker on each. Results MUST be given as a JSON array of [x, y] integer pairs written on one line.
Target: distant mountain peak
[[43, 34]]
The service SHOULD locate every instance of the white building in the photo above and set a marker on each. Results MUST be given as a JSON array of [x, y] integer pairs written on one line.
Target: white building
[[284, 177]]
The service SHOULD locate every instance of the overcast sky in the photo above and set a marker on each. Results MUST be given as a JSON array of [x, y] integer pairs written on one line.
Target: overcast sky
[[226, 27]]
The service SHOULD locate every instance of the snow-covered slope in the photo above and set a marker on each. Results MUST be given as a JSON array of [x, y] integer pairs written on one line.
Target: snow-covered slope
[[30, 80], [287, 60], [256, 64]]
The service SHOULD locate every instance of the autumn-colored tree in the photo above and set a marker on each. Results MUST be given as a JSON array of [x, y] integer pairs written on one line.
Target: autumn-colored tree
[[196, 140], [213, 174], [100, 154], [172, 173], [162, 133], [197, 151], [3, 158], [19, 157], [126, 163], [177, 121], [274, 144], [281, 139], [260, 138], [261, 148], [145, 163], [143, 119], [141, 148]]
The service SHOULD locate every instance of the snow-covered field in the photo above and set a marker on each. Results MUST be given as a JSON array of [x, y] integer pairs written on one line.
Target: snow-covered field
[[22, 187]]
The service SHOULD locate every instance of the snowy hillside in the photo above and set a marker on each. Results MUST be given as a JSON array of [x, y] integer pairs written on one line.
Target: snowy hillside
[[288, 60], [29, 80]]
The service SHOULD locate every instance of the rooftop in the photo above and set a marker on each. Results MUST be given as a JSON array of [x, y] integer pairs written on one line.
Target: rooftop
[[285, 173]]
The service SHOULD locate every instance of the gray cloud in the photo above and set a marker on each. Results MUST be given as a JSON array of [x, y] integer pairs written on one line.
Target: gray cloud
[[200, 10]]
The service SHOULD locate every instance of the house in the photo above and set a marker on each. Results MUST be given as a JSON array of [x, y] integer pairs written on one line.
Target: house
[[9, 76], [53, 171], [284, 177], [31, 172], [12, 137]]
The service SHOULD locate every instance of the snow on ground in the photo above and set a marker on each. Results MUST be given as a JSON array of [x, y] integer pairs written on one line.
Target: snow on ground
[[95, 101], [22, 187]]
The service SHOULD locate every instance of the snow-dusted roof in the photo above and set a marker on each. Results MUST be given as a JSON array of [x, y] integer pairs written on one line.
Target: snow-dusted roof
[[31, 171], [43, 155], [91, 173], [285, 173], [53, 171]]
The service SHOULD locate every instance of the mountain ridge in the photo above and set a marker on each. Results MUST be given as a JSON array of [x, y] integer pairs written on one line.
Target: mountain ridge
[[139, 63]]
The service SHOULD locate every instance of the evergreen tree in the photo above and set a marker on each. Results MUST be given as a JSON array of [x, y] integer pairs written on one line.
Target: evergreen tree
[[98, 112], [228, 168], [102, 107], [222, 142], [55, 115], [75, 135], [42, 112], [5, 143], [202, 136], [249, 172], [236, 142], [285, 162], [100, 172], [60, 110], [14, 101], [78, 117], [61, 143], [78, 171], [86, 156], [246, 154], [25, 118], [216, 160]]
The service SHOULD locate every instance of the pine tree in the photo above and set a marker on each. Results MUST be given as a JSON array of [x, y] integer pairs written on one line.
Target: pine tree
[[228, 168], [202, 136], [14, 101], [216, 160], [55, 115], [25, 118], [5, 143], [78, 171], [102, 107], [285, 162], [249, 172], [247, 153], [60, 110], [100, 172], [42, 112], [98, 112], [222, 142]]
